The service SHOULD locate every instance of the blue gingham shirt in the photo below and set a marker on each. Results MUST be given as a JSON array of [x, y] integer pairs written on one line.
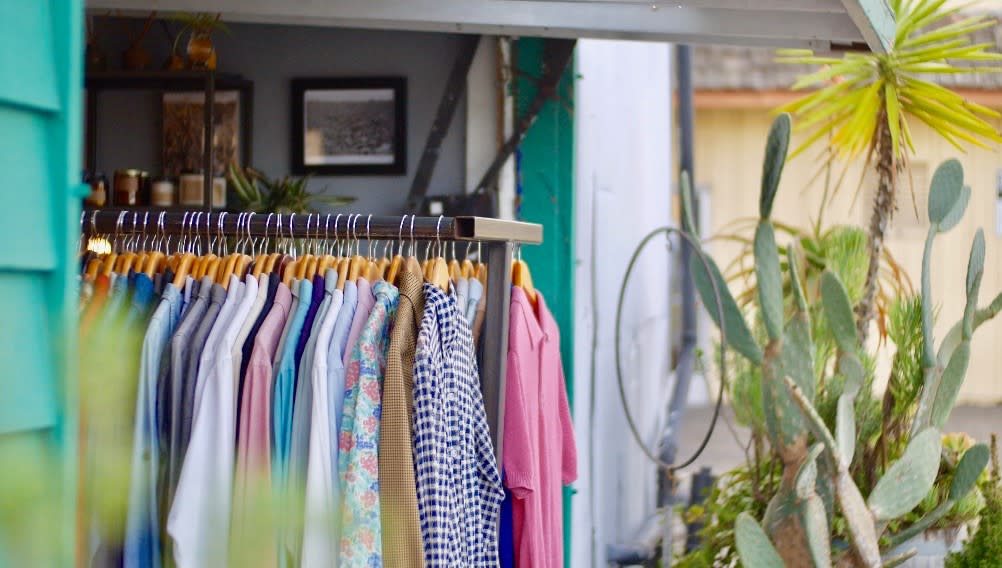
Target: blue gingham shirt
[[458, 484]]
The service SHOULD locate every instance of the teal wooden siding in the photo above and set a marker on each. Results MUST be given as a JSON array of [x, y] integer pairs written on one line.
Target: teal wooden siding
[[41, 55], [546, 179]]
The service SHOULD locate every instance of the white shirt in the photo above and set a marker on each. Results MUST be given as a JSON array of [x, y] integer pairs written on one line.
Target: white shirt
[[199, 518], [320, 549]]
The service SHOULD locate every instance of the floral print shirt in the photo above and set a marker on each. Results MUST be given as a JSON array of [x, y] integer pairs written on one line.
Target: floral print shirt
[[358, 459]]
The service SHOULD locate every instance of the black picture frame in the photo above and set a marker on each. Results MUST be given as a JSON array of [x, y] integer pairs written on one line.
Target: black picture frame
[[369, 100]]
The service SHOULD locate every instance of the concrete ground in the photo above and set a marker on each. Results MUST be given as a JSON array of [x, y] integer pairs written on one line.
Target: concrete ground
[[724, 451]]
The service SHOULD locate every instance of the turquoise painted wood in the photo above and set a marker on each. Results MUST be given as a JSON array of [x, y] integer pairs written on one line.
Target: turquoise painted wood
[[41, 56], [546, 179]]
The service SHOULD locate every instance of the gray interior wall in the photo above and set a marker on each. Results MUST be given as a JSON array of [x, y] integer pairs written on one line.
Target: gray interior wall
[[129, 125]]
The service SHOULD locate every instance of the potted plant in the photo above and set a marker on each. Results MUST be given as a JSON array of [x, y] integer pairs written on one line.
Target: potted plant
[[841, 484], [260, 194], [200, 27]]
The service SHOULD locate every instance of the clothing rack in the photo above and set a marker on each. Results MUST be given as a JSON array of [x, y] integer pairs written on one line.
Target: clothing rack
[[497, 236]]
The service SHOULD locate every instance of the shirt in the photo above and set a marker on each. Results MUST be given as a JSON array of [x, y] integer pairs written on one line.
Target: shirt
[[252, 484], [539, 450], [335, 394], [302, 413], [402, 546], [363, 308], [458, 484], [243, 336], [199, 519], [319, 548], [248, 347], [282, 399], [169, 395], [361, 538], [142, 537], [476, 292]]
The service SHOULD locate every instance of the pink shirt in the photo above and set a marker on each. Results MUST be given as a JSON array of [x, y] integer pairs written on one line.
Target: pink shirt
[[254, 430], [539, 452]]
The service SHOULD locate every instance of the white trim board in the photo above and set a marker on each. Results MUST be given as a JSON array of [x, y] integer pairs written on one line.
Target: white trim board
[[787, 23]]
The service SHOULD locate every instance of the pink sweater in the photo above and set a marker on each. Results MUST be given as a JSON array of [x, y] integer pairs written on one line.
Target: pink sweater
[[539, 452]]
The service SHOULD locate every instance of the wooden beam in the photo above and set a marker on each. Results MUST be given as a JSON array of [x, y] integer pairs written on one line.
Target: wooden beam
[[557, 55], [447, 106]]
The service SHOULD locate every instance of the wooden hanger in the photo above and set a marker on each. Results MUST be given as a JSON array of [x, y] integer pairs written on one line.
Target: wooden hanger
[[93, 266], [154, 263], [522, 277], [290, 273]]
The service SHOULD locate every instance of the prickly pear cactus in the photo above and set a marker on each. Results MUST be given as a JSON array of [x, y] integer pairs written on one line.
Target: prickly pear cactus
[[795, 529]]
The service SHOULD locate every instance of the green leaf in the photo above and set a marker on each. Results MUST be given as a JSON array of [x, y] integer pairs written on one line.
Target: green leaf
[[769, 279], [949, 385], [893, 116], [845, 428], [838, 310], [909, 479], [946, 191], [688, 221], [738, 335], [753, 544], [976, 262], [968, 470], [775, 158]]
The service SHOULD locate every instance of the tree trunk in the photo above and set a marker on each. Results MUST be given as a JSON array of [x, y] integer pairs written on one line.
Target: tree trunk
[[883, 209]]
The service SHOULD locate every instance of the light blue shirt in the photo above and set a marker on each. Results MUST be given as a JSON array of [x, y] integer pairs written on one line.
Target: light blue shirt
[[336, 373], [282, 399], [476, 291], [284, 390], [142, 535], [303, 412]]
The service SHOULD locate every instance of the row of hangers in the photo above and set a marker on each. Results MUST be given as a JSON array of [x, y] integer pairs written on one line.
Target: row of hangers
[[153, 253]]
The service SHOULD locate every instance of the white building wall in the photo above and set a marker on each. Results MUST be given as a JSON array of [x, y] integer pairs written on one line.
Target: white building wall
[[624, 176]]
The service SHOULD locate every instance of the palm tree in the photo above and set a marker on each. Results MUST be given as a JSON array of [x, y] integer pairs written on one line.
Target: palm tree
[[868, 102]]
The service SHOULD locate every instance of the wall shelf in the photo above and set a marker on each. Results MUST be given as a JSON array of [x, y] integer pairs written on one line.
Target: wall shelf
[[206, 81]]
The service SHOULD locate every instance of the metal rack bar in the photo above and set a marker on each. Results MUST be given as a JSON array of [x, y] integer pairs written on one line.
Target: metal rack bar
[[125, 221]]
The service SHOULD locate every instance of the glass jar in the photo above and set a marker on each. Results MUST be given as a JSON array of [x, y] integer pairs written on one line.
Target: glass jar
[[162, 192], [127, 186], [191, 188], [219, 191], [98, 191]]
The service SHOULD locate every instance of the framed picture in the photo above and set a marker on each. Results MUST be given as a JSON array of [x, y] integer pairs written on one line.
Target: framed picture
[[183, 127], [351, 126]]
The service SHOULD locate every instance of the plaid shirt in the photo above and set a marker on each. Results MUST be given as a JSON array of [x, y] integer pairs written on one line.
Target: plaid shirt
[[458, 484]]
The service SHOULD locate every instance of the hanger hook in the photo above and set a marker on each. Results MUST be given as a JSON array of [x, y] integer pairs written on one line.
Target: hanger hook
[[368, 238], [438, 240], [412, 249]]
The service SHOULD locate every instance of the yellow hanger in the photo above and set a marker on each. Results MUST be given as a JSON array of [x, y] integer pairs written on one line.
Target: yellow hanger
[[92, 268], [290, 273], [521, 277], [154, 263]]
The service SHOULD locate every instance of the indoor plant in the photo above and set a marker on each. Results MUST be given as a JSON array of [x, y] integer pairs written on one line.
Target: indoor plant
[[817, 514], [200, 26], [260, 194], [868, 102]]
